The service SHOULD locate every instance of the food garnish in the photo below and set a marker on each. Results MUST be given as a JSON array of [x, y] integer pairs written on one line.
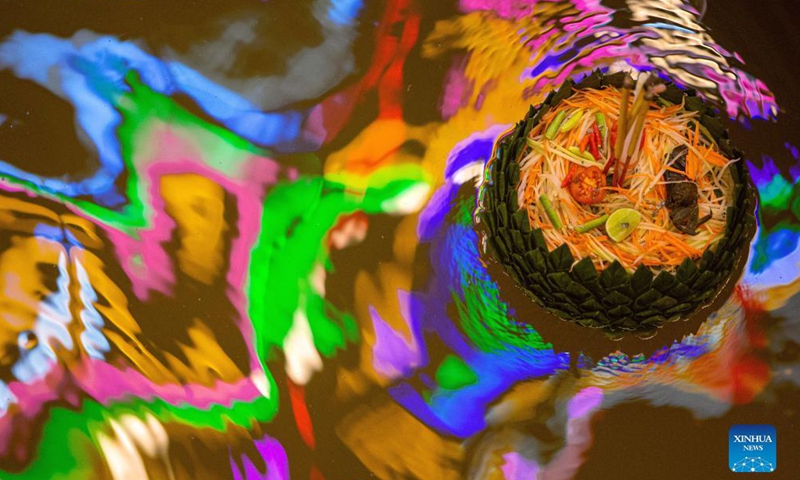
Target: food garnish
[[622, 223], [592, 224], [587, 186], [555, 124], [547, 205]]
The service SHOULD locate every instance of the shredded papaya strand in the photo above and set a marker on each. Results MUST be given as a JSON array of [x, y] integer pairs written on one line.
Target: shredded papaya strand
[[680, 244], [710, 240], [536, 130], [715, 158], [692, 166], [607, 110], [640, 175], [675, 170], [631, 198], [703, 181], [571, 103]]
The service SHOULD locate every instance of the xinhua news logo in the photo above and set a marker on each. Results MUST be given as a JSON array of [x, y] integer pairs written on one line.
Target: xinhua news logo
[[752, 449]]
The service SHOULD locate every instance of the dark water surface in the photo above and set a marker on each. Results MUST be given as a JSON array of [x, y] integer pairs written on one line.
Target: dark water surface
[[236, 241]]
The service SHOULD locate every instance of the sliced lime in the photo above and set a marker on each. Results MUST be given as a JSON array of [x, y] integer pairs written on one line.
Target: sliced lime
[[622, 223]]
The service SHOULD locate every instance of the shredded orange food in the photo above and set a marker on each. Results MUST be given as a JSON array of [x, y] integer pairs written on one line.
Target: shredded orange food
[[655, 243]]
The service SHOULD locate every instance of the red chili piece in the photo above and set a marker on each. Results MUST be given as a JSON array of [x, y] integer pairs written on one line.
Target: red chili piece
[[597, 137], [568, 178], [593, 147]]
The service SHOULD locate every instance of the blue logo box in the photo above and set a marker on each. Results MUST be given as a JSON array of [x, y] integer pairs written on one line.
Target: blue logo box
[[752, 449]]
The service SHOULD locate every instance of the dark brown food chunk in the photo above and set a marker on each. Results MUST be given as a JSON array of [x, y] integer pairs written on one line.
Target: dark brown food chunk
[[682, 195]]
